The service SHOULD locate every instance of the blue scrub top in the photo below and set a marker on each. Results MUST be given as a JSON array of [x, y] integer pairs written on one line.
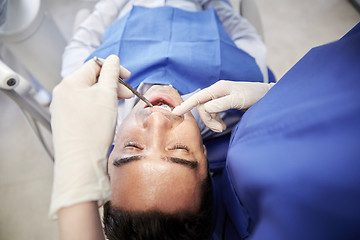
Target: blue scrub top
[[293, 165]]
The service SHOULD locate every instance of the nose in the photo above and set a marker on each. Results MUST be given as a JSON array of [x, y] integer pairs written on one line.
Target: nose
[[157, 126], [157, 121]]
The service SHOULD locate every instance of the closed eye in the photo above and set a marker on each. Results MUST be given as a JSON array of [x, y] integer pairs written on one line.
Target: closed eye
[[181, 147], [133, 145]]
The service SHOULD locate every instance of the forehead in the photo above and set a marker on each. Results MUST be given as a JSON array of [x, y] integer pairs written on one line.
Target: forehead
[[151, 184]]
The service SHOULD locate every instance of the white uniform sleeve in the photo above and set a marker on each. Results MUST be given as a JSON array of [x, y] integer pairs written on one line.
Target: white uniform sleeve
[[241, 31], [90, 34]]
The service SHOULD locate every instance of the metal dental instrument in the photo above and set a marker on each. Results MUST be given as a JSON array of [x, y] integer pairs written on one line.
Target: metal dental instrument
[[100, 63]]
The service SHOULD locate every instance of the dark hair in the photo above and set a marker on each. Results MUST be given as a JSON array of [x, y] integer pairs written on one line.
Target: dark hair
[[156, 225]]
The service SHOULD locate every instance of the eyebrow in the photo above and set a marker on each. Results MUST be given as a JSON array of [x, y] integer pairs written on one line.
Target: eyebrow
[[122, 161], [192, 164]]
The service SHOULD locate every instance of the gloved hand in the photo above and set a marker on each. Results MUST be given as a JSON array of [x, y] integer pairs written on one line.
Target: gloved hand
[[83, 119], [221, 96]]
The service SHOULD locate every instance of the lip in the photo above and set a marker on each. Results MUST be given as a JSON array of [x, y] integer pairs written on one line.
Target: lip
[[161, 98]]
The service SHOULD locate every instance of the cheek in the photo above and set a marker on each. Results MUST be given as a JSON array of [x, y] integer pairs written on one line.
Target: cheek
[[190, 133], [127, 132]]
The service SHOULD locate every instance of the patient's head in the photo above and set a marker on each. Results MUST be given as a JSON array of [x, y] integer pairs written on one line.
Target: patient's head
[[159, 165]]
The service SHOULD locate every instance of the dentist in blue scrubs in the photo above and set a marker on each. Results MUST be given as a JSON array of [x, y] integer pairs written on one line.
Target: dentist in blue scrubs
[[293, 165]]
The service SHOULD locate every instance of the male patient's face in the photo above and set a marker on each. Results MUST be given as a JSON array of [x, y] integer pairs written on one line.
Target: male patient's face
[[159, 161]]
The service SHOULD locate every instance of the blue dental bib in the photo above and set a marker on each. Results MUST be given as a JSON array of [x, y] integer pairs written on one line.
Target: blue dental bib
[[165, 45]]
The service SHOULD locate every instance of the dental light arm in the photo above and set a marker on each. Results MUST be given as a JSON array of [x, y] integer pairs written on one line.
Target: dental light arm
[[18, 89], [8, 78]]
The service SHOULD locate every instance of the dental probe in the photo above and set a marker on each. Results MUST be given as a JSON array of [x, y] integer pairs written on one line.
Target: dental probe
[[100, 63]]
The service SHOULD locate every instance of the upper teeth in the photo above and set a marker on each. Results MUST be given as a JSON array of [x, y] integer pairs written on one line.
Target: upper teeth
[[164, 106]]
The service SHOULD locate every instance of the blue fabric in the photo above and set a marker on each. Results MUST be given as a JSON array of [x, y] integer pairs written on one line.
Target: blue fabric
[[188, 50], [271, 76], [294, 159]]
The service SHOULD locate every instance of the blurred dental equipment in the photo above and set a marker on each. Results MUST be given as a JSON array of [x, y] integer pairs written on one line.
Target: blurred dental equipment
[[31, 47], [100, 62], [21, 92], [3, 8], [32, 36], [8, 78]]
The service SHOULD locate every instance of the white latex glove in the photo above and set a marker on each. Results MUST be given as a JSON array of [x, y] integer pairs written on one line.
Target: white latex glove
[[83, 119], [221, 96]]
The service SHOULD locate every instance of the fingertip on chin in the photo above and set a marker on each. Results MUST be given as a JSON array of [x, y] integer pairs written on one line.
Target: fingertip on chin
[[176, 111], [217, 130], [218, 127]]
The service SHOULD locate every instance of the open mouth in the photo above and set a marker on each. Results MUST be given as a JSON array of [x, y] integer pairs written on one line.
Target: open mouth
[[162, 103]]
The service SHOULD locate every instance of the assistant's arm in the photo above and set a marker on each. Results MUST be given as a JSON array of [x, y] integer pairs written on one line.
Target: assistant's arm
[[81, 221], [241, 32], [89, 34], [83, 119]]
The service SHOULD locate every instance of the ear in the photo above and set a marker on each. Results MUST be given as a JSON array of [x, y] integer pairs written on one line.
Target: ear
[[204, 150]]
